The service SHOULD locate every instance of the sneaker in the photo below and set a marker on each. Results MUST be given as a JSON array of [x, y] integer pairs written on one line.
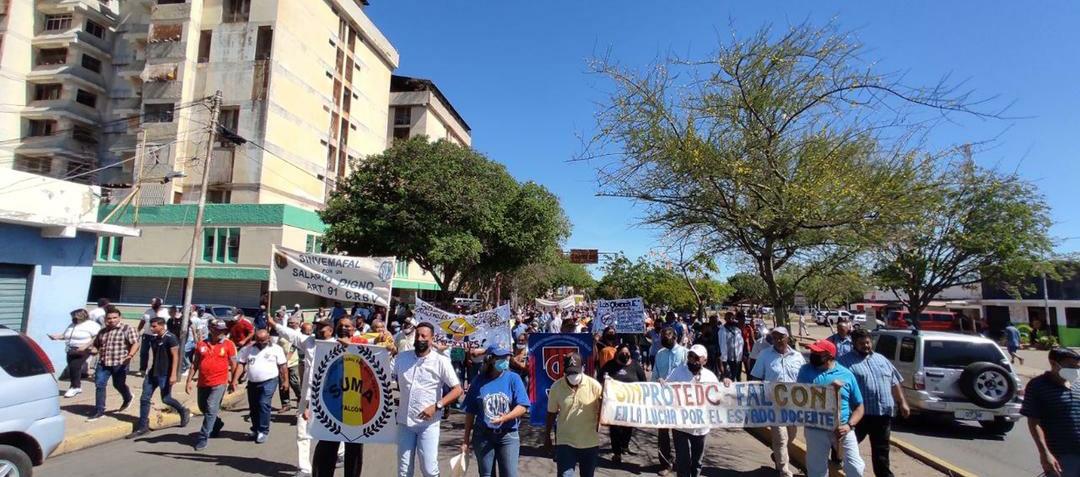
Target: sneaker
[[96, 416], [260, 438], [199, 445], [72, 392], [185, 417], [123, 407], [137, 433]]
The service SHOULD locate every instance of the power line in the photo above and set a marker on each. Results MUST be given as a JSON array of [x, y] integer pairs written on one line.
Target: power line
[[101, 125]]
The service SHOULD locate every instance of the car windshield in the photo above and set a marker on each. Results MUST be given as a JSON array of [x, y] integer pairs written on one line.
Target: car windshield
[[959, 354]]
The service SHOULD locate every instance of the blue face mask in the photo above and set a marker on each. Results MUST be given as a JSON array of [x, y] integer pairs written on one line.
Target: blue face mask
[[502, 365]]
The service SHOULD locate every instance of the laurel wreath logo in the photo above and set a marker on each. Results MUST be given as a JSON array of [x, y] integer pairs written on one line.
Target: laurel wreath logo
[[385, 409]]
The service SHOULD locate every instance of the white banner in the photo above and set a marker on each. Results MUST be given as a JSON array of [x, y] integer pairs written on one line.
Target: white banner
[[626, 315], [337, 277], [466, 331], [711, 405], [351, 396], [566, 303]]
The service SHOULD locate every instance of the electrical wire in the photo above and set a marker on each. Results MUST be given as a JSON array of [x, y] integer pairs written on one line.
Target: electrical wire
[[101, 125]]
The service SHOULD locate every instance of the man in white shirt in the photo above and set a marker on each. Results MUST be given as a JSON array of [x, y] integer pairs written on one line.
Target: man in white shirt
[[690, 443], [97, 315], [779, 363], [731, 347], [421, 374], [155, 311], [266, 370]]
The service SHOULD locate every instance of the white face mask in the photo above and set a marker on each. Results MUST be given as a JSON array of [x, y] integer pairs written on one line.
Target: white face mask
[[573, 379], [1070, 375]]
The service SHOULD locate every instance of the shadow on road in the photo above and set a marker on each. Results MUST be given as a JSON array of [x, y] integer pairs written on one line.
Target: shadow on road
[[249, 465], [939, 427], [88, 409]]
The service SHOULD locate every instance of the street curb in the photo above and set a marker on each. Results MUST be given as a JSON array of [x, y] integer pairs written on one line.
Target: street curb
[[113, 432], [929, 459]]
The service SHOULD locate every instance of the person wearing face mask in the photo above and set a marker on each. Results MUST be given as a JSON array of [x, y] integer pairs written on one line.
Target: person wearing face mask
[[265, 363], [730, 337], [574, 405], [690, 443], [421, 374], [824, 370], [79, 336], [1052, 407], [605, 346], [879, 383], [778, 362], [495, 401], [624, 369], [671, 355]]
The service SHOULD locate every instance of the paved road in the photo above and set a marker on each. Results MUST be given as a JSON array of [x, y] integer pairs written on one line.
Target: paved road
[[965, 444]]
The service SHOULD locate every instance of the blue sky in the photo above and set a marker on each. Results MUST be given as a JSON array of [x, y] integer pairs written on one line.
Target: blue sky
[[517, 72]]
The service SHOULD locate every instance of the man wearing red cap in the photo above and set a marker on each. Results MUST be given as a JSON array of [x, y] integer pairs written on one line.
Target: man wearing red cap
[[823, 370]]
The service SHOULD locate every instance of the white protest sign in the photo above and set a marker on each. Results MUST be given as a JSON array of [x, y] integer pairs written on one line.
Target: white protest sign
[[710, 405], [626, 315], [466, 331], [351, 396], [338, 277]]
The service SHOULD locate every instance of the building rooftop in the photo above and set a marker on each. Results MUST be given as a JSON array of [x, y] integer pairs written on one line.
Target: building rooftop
[[400, 84]]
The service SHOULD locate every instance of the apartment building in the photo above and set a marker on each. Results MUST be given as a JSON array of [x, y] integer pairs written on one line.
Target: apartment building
[[418, 107]]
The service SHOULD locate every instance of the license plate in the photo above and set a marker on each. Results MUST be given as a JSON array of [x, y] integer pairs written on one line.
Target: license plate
[[973, 415]]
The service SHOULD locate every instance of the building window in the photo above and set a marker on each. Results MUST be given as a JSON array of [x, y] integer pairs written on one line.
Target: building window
[[166, 32], [36, 165], [86, 98], [91, 63], [348, 70], [352, 40], [167, 2], [52, 56], [84, 134], [57, 22], [343, 27], [401, 133], [342, 158], [158, 113], [47, 92], [337, 92], [42, 127], [221, 245], [264, 42], [346, 101], [333, 125], [403, 116], [218, 196], [205, 38], [331, 159], [236, 11], [402, 269], [314, 244], [78, 171], [110, 248], [229, 118], [340, 61], [95, 29], [1072, 318]]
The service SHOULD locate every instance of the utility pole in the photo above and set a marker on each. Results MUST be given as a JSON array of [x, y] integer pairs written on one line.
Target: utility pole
[[189, 284]]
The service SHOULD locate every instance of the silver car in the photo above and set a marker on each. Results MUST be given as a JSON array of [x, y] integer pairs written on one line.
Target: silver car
[[31, 426], [950, 374]]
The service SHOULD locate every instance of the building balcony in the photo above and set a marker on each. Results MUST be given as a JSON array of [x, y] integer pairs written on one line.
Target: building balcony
[[171, 12], [134, 31], [68, 72], [62, 108], [163, 90], [128, 67], [127, 106], [221, 167], [166, 50], [58, 145], [73, 37]]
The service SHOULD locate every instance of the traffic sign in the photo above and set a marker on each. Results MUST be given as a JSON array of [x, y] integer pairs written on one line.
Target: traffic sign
[[581, 255]]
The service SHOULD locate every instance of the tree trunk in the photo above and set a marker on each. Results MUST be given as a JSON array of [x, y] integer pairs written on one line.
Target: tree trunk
[[768, 273]]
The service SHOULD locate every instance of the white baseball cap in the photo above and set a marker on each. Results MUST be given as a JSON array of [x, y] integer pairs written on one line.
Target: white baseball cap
[[700, 351], [780, 329]]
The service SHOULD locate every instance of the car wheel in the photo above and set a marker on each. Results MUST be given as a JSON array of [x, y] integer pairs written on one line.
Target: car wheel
[[999, 425], [14, 462], [987, 385]]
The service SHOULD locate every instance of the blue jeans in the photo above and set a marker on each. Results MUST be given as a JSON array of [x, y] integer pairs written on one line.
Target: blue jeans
[[144, 352], [259, 397], [491, 448], [209, 400], [149, 384], [119, 381], [567, 458], [422, 441], [1070, 465], [818, 445], [689, 449]]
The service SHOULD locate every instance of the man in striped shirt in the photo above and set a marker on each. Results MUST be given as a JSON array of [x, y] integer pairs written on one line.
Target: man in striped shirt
[[882, 397], [1052, 406]]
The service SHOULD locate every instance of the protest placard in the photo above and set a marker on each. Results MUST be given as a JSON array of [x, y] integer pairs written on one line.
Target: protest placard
[[710, 405], [626, 315], [351, 396], [478, 330], [546, 352], [338, 277]]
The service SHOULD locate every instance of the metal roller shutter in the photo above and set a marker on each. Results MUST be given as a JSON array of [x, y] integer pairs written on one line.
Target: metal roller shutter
[[140, 290], [14, 295], [242, 293]]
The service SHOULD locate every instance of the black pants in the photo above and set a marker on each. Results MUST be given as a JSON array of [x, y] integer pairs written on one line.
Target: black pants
[[76, 361], [620, 439], [689, 449], [878, 428], [733, 370], [324, 459], [294, 384], [666, 456]]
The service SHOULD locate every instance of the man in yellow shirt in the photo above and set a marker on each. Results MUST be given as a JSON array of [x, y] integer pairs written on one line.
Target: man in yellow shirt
[[574, 404]]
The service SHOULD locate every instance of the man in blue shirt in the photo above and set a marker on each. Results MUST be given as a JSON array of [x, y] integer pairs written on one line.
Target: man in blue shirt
[[779, 363], [823, 370], [842, 337], [879, 383]]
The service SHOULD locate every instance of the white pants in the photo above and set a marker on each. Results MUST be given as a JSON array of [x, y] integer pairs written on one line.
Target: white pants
[[418, 444], [781, 439], [819, 445], [303, 444]]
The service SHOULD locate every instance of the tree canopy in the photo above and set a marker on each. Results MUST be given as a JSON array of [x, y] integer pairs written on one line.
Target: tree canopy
[[659, 285], [449, 208], [537, 279]]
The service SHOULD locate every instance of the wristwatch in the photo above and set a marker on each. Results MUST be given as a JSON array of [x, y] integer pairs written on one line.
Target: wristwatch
[[439, 406]]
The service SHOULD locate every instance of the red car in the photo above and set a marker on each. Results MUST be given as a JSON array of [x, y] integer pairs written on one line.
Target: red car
[[928, 320]]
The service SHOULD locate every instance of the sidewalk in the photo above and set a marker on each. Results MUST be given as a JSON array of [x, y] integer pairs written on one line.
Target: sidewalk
[[80, 434]]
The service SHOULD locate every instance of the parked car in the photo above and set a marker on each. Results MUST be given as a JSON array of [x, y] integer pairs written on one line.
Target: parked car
[[960, 376], [928, 320], [31, 426], [221, 312], [831, 317], [858, 319]]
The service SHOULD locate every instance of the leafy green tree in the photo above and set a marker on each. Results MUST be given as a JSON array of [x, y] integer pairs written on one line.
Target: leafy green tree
[[975, 224], [748, 286], [537, 279], [783, 149], [459, 215], [624, 278], [840, 287]]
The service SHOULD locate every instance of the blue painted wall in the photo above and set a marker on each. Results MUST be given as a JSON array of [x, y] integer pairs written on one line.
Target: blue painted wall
[[59, 283]]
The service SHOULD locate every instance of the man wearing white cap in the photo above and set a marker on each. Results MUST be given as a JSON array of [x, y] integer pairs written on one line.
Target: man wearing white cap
[[690, 443], [779, 363]]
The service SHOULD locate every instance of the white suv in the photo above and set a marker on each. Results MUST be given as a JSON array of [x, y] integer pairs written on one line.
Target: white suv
[[31, 426], [962, 376]]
